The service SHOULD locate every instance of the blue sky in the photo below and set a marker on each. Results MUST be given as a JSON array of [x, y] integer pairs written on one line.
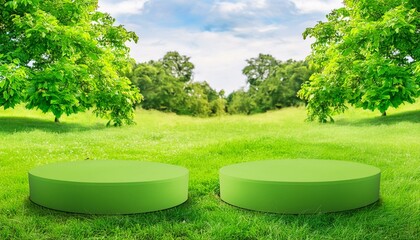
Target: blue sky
[[219, 35]]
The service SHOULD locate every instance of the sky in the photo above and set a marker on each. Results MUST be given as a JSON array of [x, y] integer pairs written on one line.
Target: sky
[[219, 35]]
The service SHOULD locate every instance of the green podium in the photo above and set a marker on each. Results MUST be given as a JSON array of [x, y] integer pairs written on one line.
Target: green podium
[[299, 186], [108, 187]]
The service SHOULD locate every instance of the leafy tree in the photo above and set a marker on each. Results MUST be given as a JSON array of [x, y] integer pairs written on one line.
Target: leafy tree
[[218, 106], [272, 83], [366, 55], [202, 100], [178, 66], [218, 103], [167, 86], [161, 91], [259, 69], [63, 56], [289, 75], [280, 88], [197, 103], [240, 102]]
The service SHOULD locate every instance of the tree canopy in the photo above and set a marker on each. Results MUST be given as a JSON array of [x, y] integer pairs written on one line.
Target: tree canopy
[[272, 84], [178, 66], [167, 85], [366, 55], [63, 56], [259, 69]]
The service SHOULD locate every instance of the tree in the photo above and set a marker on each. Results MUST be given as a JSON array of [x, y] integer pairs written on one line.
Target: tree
[[259, 69], [273, 84], [167, 86], [240, 102], [178, 66], [197, 102], [218, 106], [65, 57], [202, 100], [366, 55], [290, 74], [161, 91]]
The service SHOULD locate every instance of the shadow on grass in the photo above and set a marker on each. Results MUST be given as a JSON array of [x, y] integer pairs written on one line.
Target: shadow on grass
[[180, 222], [186, 211], [410, 116], [24, 124]]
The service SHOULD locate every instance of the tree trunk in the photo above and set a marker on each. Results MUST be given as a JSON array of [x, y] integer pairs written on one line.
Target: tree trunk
[[56, 119], [384, 114]]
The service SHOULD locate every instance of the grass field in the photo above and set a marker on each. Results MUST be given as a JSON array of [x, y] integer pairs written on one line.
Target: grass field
[[29, 139]]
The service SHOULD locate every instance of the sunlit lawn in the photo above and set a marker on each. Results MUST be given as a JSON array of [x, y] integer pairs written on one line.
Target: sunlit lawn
[[203, 145]]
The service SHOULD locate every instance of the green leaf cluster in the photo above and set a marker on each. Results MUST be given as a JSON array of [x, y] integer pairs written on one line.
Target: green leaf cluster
[[65, 57], [366, 55]]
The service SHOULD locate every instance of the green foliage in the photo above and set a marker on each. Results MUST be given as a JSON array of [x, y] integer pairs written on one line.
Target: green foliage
[[65, 57], [273, 84], [218, 106], [167, 86], [204, 101], [365, 55], [198, 100], [240, 102], [178, 66], [259, 69], [161, 91]]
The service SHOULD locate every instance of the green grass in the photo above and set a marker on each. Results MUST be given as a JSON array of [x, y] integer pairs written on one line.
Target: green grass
[[29, 139]]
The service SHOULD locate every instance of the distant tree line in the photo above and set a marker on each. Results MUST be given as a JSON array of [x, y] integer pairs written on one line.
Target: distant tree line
[[167, 85]]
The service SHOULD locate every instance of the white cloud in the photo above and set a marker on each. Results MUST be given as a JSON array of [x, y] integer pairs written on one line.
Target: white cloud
[[247, 8], [229, 7], [260, 3], [309, 6], [259, 29], [116, 8]]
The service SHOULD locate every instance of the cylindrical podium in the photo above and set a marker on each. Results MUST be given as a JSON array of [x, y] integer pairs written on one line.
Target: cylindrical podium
[[108, 187], [299, 186]]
